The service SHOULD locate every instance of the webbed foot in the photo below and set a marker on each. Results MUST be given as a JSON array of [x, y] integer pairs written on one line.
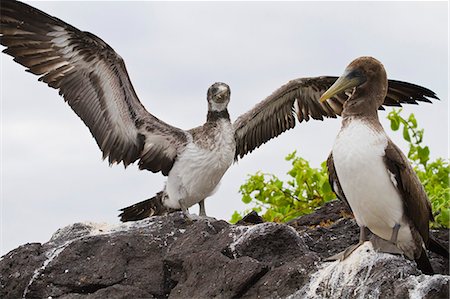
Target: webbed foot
[[344, 254], [193, 217], [382, 245], [363, 231]]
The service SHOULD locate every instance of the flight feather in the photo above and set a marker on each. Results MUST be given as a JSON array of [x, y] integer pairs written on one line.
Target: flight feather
[[94, 81]]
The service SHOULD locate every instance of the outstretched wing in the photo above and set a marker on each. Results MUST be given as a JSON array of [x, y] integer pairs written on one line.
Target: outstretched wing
[[93, 80], [300, 98], [276, 114], [400, 92]]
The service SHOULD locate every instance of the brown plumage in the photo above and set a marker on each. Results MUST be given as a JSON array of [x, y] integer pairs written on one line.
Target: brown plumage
[[381, 168], [145, 209], [93, 80], [299, 99]]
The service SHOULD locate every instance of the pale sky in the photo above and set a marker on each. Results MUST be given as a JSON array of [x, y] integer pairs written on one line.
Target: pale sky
[[52, 173]]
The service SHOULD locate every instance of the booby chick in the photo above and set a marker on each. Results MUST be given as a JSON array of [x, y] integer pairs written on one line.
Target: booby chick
[[371, 174], [203, 159], [94, 81]]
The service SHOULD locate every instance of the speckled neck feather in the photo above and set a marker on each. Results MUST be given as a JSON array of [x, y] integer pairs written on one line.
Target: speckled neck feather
[[216, 115]]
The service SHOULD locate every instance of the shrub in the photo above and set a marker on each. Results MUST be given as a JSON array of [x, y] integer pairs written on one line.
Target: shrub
[[308, 187]]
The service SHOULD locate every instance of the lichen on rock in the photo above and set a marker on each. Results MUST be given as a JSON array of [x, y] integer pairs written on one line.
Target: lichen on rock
[[170, 256]]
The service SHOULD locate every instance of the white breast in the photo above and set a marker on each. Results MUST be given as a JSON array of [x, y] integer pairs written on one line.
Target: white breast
[[367, 184], [198, 171]]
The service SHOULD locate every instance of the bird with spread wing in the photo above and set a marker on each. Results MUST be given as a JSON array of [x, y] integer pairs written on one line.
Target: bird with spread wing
[[93, 80]]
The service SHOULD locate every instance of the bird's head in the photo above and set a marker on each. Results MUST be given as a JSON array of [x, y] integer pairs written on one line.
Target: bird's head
[[218, 97], [365, 77]]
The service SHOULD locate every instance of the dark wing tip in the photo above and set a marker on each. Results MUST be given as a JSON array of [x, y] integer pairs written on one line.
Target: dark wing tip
[[400, 92]]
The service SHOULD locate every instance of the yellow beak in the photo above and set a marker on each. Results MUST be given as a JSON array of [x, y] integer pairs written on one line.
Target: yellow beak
[[344, 82]]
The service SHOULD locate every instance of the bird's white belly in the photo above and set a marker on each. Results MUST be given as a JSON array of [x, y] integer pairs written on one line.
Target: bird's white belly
[[198, 172], [366, 182]]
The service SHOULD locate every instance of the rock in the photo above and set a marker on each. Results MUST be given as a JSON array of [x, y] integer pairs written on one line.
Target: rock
[[172, 257], [332, 228], [368, 274], [18, 267], [250, 218]]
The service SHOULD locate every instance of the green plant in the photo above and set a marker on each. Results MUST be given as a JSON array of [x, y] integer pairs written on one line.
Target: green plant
[[308, 188]]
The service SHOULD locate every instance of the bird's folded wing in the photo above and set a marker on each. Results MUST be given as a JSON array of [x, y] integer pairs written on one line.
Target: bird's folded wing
[[416, 204], [334, 181], [93, 80]]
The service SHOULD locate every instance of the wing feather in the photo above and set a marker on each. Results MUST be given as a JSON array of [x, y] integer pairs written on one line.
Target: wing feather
[[299, 99], [276, 114], [334, 181], [416, 204], [94, 81]]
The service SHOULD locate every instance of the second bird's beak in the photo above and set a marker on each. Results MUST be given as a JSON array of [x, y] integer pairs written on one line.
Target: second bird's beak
[[346, 81]]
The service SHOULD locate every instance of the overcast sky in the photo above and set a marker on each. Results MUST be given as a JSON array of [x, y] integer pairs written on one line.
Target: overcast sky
[[52, 171]]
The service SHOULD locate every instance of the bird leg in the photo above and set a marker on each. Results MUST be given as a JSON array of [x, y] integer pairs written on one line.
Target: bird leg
[[382, 245], [202, 211], [185, 210], [363, 231], [395, 233], [192, 217]]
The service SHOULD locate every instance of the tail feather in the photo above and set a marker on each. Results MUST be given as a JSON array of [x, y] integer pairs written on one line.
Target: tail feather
[[423, 263], [438, 248], [147, 208]]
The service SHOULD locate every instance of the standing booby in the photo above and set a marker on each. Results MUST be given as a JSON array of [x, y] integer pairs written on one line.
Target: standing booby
[[94, 81], [371, 174]]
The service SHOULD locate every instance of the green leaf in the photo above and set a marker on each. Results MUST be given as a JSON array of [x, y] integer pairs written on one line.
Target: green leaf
[[235, 217], [246, 199], [326, 188], [395, 124], [406, 134], [412, 120], [423, 153], [290, 156]]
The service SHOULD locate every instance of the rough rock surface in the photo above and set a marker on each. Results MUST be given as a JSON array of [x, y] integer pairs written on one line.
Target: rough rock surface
[[171, 257]]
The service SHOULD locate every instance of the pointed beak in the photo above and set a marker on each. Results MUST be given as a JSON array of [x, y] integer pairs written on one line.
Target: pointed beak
[[221, 95], [347, 81], [222, 92]]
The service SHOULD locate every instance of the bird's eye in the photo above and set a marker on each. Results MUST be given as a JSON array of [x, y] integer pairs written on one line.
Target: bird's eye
[[355, 73]]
